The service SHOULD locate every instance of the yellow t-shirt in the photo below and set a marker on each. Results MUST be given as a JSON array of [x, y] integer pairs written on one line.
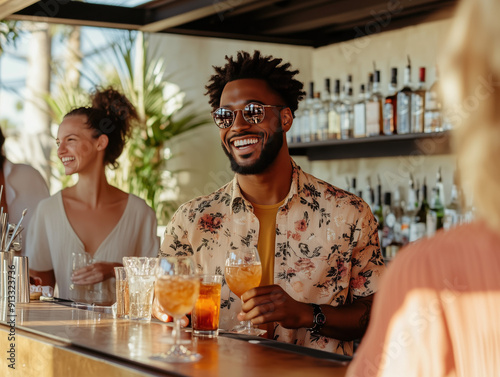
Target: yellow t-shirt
[[266, 246], [267, 239]]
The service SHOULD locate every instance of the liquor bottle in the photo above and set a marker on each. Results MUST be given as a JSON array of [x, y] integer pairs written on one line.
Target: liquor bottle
[[322, 107], [359, 129], [308, 115], [404, 102], [398, 212], [355, 190], [394, 219], [418, 104], [334, 113], [348, 187], [379, 214], [347, 111], [453, 211], [390, 106], [314, 115], [433, 116], [374, 116], [436, 213], [321, 111], [369, 87], [369, 194], [421, 216], [409, 213], [296, 130], [440, 186], [388, 226]]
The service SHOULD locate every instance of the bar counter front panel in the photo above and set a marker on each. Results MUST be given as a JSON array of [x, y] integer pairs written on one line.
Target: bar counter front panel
[[53, 340]]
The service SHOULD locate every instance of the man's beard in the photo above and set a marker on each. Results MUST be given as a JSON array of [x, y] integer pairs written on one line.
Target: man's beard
[[267, 156]]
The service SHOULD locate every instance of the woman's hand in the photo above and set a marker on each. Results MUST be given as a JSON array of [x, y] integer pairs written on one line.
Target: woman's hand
[[94, 273]]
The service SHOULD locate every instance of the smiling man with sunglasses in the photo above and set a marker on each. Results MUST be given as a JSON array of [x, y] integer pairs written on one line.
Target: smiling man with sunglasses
[[318, 244]]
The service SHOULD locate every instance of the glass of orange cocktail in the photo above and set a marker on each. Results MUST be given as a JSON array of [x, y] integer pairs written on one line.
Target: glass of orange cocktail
[[176, 288], [243, 271]]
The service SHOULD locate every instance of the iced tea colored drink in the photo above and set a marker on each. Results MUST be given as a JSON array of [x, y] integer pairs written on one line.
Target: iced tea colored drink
[[122, 293], [205, 316], [122, 299]]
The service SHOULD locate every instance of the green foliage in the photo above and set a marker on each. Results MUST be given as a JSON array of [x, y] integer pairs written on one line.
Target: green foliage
[[9, 32]]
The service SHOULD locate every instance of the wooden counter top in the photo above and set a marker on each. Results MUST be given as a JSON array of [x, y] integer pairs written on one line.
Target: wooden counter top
[[129, 345]]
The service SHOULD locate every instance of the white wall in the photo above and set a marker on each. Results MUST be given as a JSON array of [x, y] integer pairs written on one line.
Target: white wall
[[190, 59]]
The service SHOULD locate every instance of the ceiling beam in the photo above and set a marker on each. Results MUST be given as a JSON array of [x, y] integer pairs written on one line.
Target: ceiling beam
[[298, 41], [333, 13], [180, 12], [429, 12], [344, 33], [83, 14], [7, 7]]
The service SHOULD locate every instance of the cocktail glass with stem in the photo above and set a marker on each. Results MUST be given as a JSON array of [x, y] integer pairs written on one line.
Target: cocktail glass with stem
[[177, 287], [243, 272]]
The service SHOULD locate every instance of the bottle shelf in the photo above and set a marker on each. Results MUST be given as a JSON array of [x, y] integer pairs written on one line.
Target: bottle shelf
[[376, 146]]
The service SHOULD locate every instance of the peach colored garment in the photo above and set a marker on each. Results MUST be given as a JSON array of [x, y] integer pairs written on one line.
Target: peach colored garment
[[437, 312]]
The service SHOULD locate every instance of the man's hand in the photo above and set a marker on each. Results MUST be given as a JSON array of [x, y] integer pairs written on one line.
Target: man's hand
[[272, 304]]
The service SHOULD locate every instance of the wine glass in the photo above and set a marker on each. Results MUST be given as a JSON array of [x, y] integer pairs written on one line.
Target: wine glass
[[177, 287], [243, 272]]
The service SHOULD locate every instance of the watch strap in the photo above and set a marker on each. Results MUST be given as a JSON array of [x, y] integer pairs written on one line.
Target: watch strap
[[319, 318]]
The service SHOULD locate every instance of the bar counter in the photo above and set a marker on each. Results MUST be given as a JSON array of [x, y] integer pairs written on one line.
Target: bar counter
[[53, 340]]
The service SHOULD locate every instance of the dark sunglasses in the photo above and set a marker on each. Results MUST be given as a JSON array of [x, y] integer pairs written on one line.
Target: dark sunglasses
[[253, 113]]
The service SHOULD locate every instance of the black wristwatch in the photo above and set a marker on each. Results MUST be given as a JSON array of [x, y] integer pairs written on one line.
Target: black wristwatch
[[319, 318]]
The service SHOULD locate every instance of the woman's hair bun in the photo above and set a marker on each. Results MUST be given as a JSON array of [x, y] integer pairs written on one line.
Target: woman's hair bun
[[114, 104]]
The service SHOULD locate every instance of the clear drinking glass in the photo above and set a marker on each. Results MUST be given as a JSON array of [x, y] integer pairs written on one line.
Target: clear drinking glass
[[141, 280], [243, 272], [78, 292], [177, 287]]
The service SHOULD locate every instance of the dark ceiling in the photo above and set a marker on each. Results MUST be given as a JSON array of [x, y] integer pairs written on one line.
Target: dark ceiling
[[298, 22]]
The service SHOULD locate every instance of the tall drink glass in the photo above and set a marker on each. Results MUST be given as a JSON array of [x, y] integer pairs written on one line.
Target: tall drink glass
[[122, 293], [205, 316], [80, 293], [177, 288], [243, 272]]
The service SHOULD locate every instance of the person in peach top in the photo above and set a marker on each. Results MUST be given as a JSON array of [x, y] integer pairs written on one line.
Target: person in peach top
[[437, 311]]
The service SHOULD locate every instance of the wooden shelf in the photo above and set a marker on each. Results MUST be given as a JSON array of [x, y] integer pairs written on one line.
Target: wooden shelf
[[376, 146]]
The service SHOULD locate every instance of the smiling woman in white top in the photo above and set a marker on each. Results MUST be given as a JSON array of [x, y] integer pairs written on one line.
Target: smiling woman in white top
[[92, 216]]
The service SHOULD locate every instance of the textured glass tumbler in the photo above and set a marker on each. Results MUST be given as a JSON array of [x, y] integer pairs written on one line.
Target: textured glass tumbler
[[141, 282]]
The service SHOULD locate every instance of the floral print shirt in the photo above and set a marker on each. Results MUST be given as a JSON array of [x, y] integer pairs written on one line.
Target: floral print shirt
[[327, 247]]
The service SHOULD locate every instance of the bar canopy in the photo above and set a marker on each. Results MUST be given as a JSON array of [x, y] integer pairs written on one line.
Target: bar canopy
[[308, 23]]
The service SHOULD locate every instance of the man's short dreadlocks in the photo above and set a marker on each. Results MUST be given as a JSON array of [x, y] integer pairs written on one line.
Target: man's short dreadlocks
[[267, 68]]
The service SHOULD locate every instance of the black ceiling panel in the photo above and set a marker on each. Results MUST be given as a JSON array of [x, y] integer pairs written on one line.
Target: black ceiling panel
[[298, 22]]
